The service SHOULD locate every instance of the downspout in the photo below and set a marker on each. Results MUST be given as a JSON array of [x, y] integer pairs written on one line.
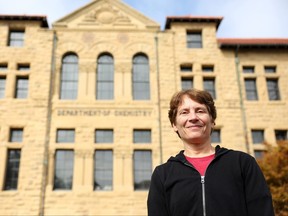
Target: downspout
[[242, 107], [159, 98], [48, 126]]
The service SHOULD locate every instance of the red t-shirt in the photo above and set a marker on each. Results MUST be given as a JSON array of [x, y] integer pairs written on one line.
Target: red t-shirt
[[201, 163]]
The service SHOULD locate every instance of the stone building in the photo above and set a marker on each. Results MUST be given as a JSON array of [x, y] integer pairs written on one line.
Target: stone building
[[83, 104]]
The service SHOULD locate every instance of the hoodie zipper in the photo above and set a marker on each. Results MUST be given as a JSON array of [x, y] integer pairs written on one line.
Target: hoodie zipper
[[203, 195], [203, 189]]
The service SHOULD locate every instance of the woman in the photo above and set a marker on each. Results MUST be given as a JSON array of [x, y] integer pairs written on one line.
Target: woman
[[201, 179]]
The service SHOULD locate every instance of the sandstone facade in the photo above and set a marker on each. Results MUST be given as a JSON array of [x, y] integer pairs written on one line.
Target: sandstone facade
[[109, 26]]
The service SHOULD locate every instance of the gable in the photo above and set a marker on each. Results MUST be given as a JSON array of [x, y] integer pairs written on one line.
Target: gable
[[106, 14]]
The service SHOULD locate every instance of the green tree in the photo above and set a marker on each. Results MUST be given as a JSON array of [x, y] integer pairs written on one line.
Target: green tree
[[274, 165]]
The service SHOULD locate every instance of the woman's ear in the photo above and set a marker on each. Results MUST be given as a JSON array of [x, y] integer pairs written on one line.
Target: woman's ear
[[174, 127]]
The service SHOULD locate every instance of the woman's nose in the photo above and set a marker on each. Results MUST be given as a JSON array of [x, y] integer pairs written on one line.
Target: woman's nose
[[192, 115]]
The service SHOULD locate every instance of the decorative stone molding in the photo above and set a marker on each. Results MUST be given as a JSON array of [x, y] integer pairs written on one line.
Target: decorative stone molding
[[106, 15]]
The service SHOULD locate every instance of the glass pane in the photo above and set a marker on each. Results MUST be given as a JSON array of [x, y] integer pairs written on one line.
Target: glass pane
[[23, 67], [22, 84], [63, 176], [194, 40], [2, 87], [103, 170], [273, 91], [215, 136], [142, 169], [104, 136], [281, 135], [16, 38], [105, 78], [270, 69], [69, 77], [258, 154], [12, 169], [248, 69], [65, 136], [209, 85], [142, 136], [186, 68], [258, 136], [186, 84], [207, 68], [251, 91], [3, 67], [141, 91], [16, 135], [141, 78]]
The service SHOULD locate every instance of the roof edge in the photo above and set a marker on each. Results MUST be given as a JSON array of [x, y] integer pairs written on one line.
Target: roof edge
[[41, 18], [253, 42], [189, 18]]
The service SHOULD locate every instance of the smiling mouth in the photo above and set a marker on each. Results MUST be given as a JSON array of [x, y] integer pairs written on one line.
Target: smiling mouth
[[192, 126]]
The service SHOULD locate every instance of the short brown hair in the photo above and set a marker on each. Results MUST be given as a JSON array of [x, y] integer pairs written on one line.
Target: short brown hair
[[202, 97]]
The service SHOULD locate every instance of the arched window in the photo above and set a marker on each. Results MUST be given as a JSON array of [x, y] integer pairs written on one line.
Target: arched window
[[140, 78], [105, 77], [69, 77]]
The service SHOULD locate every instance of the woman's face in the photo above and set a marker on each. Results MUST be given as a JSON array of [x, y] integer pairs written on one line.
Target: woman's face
[[193, 122]]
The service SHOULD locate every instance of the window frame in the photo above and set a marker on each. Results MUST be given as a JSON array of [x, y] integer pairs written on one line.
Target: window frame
[[21, 90], [16, 38], [141, 77], [65, 135], [105, 77], [142, 171], [104, 171], [103, 136], [251, 94], [67, 168], [273, 94], [212, 90], [12, 174], [69, 77], [194, 39]]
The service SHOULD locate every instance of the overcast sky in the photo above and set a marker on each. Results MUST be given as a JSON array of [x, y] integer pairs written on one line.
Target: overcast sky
[[242, 18]]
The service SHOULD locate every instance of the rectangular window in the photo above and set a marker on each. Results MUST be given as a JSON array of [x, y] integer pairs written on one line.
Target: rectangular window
[[2, 86], [142, 169], [216, 136], [251, 90], [104, 136], [186, 68], [3, 66], [209, 85], [248, 69], [194, 39], [103, 170], [16, 38], [23, 67], [65, 136], [16, 135], [142, 136], [186, 83], [12, 169], [258, 154], [258, 136], [270, 69], [63, 171], [273, 90], [207, 68], [22, 84], [281, 135]]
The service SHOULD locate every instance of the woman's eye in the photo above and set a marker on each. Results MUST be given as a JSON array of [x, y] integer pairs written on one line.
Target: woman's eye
[[183, 112], [201, 111]]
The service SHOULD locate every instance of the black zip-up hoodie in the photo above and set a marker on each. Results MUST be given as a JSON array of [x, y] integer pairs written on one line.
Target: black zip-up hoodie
[[233, 185]]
